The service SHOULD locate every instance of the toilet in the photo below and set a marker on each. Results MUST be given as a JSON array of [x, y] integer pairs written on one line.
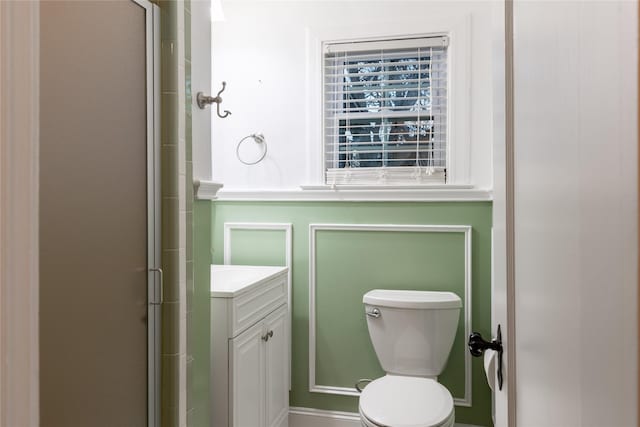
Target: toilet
[[412, 333]]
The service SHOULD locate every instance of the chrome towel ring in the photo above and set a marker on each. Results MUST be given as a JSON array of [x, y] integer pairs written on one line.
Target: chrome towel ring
[[259, 139]]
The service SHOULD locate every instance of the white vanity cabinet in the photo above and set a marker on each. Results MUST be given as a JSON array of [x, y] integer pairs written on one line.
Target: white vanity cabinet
[[259, 386], [250, 346]]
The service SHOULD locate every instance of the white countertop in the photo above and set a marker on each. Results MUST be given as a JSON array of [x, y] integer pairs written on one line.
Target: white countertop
[[229, 281]]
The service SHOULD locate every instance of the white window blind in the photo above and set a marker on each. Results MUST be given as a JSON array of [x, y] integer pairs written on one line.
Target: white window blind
[[385, 111]]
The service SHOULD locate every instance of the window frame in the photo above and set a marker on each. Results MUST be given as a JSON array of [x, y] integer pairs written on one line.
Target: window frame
[[458, 30], [382, 176]]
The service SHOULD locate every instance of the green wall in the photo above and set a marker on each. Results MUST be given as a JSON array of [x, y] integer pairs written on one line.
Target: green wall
[[348, 264], [200, 327]]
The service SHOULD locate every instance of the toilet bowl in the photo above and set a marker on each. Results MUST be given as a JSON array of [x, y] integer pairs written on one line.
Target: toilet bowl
[[399, 401], [412, 333]]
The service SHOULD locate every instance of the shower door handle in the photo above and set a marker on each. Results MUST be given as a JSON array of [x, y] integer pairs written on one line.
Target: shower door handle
[[159, 270]]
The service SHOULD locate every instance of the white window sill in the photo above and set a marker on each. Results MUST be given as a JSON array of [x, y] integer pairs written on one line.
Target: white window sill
[[391, 187], [319, 193]]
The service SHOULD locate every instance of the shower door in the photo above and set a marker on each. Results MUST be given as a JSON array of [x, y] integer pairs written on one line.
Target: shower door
[[100, 286]]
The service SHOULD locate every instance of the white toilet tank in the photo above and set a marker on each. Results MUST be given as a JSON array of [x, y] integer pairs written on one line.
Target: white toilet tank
[[412, 331]]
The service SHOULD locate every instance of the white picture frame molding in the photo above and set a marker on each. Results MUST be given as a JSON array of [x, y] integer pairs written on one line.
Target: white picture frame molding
[[288, 242], [315, 228]]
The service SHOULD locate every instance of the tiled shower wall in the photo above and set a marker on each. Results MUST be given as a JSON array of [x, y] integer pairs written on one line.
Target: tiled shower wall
[[188, 185], [177, 217]]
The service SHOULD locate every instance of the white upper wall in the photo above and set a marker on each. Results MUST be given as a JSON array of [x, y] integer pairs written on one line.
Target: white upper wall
[[265, 52]]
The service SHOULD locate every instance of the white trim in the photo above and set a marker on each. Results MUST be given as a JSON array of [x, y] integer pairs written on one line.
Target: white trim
[[502, 291], [386, 176], [311, 417], [418, 188], [509, 176], [206, 190], [333, 111], [457, 28], [361, 194], [19, 191], [314, 228], [385, 43], [288, 248], [286, 227]]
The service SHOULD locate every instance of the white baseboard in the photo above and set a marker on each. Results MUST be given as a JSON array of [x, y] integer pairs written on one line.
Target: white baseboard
[[309, 417]]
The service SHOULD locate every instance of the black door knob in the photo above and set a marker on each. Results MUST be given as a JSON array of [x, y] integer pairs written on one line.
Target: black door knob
[[477, 347]]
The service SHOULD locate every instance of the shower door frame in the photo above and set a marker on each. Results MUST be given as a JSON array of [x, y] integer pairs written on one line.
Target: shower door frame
[[19, 180], [19, 210], [154, 259]]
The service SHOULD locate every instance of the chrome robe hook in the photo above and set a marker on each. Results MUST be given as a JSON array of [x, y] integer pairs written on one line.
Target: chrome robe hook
[[203, 100]]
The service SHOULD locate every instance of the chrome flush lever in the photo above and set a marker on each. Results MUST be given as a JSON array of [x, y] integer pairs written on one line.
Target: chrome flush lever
[[203, 100], [374, 313]]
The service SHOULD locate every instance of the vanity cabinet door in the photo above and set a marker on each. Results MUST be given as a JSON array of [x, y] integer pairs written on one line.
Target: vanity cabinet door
[[277, 368], [247, 379]]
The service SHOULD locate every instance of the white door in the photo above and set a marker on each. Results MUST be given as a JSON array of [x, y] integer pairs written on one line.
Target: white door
[[247, 386], [576, 212], [277, 368]]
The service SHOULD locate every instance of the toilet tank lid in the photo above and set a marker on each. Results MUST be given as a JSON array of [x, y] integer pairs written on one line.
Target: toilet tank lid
[[412, 299]]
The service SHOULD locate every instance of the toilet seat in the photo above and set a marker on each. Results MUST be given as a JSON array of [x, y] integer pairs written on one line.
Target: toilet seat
[[401, 401], [449, 422]]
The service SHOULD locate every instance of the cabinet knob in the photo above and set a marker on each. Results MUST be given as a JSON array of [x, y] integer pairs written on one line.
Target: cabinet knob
[[266, 336]]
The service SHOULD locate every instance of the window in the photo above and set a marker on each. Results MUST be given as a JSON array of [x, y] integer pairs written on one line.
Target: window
[[385, 112]]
